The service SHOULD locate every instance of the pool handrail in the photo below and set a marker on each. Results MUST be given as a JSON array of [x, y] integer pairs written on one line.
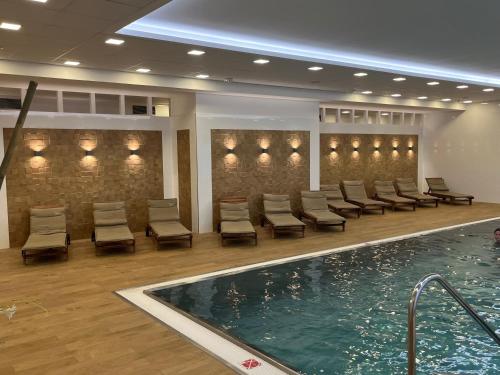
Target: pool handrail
[[412, 314]]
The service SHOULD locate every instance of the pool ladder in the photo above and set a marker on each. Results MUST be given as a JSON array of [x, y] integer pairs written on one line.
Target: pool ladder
[[412, 313]]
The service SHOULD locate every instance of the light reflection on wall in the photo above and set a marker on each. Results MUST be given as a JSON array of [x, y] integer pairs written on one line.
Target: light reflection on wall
[[294, 160], [264, 158]]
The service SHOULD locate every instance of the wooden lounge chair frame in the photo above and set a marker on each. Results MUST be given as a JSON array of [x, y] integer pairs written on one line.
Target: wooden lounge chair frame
[[128, 244], [367, 207], [235, 236], [395, 204], [314, 221], [445, 196], [149, 231], [341, 211], [49, 251], [420, 201], [285, 229]]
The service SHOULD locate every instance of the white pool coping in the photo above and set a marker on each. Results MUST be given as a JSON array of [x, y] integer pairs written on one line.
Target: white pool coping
[[232, 354]]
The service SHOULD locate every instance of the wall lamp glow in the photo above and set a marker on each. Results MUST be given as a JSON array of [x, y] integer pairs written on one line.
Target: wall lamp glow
[[38, 153], [89, 152], [134, 152]]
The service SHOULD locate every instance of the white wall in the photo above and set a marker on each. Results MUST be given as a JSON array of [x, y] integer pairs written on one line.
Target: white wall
[[43, 120], [464, 148], [251, 113]]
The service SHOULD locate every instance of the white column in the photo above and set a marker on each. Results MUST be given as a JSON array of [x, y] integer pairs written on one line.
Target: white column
[[4, 217], [314, 139], [60, 102], [92, 103]]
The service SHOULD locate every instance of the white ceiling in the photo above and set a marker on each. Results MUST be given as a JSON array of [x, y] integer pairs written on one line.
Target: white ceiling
[[76, 30]]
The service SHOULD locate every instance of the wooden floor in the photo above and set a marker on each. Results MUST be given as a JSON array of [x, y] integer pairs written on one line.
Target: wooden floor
[[69, 321]]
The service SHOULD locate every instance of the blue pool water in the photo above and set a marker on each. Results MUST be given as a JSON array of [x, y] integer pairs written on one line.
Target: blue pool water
[[346, 313]]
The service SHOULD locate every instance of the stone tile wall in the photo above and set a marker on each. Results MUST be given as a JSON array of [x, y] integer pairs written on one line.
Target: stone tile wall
[[184, 176], [64, 175], [367, 164], [246, 171]]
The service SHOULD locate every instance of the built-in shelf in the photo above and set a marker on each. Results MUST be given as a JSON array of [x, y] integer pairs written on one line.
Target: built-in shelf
[[361, 116]]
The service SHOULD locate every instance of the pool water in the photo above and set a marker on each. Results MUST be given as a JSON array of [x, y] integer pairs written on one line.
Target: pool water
[[346, 313]]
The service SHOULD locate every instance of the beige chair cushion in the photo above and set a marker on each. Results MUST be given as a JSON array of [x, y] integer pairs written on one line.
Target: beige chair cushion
[[163, 210], [275, 204], [406, 185], [47, 220], [332, 192], [113, 234], [234, 211], [45, 241], [325, 217], [419, 197], [370, 202], [313, 200], [236, 227], [109, 206], [341, 205], [355, 190], [169, 229], [283, 220], [437, 184], [385, 189], [110, 217]]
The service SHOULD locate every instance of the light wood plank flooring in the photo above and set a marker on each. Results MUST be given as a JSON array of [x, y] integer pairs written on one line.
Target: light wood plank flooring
[[68, 320]]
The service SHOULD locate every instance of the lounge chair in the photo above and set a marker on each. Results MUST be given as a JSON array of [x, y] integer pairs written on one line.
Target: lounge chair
[[356, 194], [408, 189], [438, 189], [48, 234], [235, 220], [336, 202], [111, 227], [315, 208], [164, 224], [385, 192], [278, 213]]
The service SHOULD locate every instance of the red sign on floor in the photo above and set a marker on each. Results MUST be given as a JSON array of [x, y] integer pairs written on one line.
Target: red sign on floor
[[250, 364]]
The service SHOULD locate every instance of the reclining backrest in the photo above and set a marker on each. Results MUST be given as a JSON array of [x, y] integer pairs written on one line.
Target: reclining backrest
[[277, 204], [47, 220], [384, 188], [354, 189], [332, 192], [406, 185], [163, 210], [436, 184], [234, 211], [108, 214], [313, 200]]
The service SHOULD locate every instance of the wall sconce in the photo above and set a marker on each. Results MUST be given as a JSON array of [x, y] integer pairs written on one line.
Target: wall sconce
[[89, 152], [410, 148], [134, 152], [395, 148], [38, 153], [333, 149], [355, 149], [264, 150], [229, 150], [295, 149], [376, 148]]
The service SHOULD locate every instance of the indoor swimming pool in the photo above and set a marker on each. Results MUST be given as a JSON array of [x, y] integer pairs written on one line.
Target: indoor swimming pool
[[346, 312]]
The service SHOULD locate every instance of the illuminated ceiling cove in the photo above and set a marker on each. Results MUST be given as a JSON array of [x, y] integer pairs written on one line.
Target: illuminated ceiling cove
[[443, 39]]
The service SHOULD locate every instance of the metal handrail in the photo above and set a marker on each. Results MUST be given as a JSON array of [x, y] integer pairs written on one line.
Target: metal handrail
[[412, 314]]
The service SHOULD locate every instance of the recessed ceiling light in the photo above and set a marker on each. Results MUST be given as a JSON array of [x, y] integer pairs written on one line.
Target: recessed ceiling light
[[467, 101], [261, 61], [40, 1], [143, 70], [196, 52], [399, 79], [115, 42], [433, 83], [384, 114], [488, 90], [422, 97], [202, 76], [315, 68], [72, 63], [360, 74], [346, 112], [367, 92], [446, 100], [484, 103], [461, 87], [9, 26], [395, 95]]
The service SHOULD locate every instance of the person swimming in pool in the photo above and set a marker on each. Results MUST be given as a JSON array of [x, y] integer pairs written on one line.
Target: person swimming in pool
[[497, 236]]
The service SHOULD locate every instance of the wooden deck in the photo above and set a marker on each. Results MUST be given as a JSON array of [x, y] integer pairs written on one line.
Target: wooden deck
[[69, 321]]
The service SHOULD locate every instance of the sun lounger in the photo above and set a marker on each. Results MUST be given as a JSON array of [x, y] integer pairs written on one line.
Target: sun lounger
[[235, 220], [111, 227], [315, 208], [164, 224], [336, 202], [278, 213], [356, 194], [438, 188], [408, 189], [385, 192], [48, 234]]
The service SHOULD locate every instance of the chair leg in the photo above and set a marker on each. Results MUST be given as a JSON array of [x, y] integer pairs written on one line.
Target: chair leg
[[383, 210], [255, 238], [470, 202], [191, 242], [23, 253]]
